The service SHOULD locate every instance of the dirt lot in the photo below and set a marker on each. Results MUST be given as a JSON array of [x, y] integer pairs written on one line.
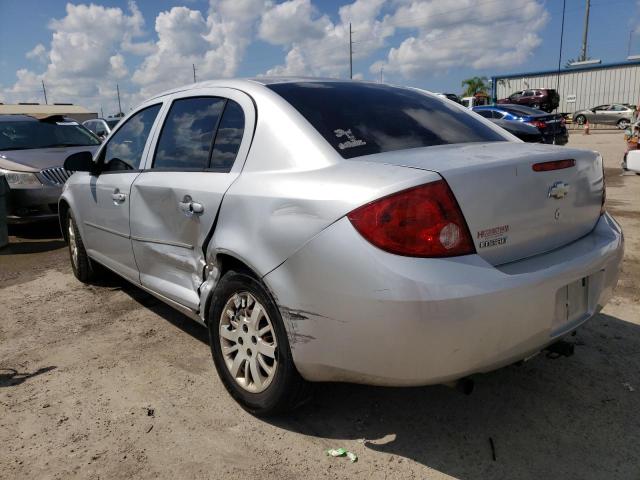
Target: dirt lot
[[106, 382]]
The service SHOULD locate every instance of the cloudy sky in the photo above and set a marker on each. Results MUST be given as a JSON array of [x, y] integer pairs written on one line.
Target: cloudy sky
[[83, 50]]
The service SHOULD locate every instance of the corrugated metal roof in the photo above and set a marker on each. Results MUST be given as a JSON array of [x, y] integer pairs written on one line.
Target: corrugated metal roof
[[569, 70], [42, 109]]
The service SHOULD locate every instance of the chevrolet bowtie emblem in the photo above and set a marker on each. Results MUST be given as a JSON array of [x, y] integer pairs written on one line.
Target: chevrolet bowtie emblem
[[559, 190]]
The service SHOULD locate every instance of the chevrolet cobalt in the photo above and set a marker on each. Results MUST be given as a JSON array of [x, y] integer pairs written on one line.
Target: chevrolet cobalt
[[327, 230]]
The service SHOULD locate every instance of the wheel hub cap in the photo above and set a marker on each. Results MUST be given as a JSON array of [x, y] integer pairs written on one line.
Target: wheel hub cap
[[248, 342], [73, 245]]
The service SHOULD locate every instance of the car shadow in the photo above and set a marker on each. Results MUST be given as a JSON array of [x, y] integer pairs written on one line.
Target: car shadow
[[10, 377], [570, 417], [564, 417], [171, 315], [33, 238]]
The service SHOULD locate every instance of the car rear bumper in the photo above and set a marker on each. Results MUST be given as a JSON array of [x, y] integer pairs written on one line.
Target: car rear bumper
[[355, 313], [33, 204]]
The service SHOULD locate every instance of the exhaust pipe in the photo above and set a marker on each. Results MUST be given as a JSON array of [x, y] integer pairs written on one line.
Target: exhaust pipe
[[463, 385]]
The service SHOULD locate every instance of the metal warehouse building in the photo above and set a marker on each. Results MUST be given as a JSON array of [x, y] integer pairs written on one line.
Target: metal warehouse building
[[581, 87]]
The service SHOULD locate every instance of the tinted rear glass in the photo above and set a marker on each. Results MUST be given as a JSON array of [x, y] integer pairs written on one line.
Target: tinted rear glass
[[362, 119]]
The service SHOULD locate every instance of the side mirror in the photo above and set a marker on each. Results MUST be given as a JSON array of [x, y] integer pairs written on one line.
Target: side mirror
[[80, 162]]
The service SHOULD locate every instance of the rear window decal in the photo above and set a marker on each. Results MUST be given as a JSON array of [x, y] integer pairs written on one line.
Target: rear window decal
[[351, 142]]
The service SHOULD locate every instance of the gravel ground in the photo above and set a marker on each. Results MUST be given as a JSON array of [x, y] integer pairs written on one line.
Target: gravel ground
[[104, 381]]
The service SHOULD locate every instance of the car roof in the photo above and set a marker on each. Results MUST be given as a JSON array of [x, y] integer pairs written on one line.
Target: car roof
[[249, 83]]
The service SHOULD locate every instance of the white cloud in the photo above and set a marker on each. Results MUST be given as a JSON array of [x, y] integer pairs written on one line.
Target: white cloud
[[215, 44], [39, 52], [501, 33], [84, 59], [327, 55], [94, 47], [291, 22]]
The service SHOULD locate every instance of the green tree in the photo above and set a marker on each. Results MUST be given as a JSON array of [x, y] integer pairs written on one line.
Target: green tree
[[474, 85]]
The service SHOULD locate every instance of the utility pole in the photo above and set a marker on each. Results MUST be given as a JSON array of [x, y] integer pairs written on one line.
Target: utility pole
[[120, 115], [564, 6], [381, 77], [350, 53], [585, 34], [101, 112], [44, 90], [194, 72], [629, 45]]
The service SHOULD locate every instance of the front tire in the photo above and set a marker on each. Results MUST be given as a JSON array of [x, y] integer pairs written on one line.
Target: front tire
[[250, 347], [623, 124], [581, 119], [81, 264]]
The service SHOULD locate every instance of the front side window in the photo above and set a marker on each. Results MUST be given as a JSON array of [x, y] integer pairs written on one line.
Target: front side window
[[124, 149], [187, 134], [228, 137], [366, 118], [485, 113]]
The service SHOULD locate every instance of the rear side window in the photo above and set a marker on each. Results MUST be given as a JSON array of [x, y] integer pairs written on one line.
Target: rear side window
[[124, 149], [228, 138], [187, 134], [366, 118], [485, 113]]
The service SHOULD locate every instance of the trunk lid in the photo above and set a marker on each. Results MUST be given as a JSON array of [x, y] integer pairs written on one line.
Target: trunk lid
[[512, 211]]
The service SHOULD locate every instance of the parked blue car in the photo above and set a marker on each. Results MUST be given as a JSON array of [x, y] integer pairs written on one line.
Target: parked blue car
[[551, 126]]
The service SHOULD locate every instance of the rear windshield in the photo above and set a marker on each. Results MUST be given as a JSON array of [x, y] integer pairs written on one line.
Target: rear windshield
[[112, 123], [521, 110], [32, 134], [365, 118]]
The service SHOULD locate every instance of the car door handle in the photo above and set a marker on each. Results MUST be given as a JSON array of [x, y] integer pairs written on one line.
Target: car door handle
[[118, 197], [189, 207]]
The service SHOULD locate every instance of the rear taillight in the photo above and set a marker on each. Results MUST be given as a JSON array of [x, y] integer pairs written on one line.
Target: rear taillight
[[538, 124], [423, 221]]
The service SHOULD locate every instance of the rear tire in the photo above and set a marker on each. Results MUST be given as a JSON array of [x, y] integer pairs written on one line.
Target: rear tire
[[81, 264], [250, 347]]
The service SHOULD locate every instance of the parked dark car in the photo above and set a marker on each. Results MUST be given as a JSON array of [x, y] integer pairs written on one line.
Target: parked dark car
[[551, 126], [545, 99], [32, 154], [524, 131]]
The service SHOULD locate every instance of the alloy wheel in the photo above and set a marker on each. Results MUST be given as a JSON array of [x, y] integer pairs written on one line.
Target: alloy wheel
[[73, 244], [248, 342]]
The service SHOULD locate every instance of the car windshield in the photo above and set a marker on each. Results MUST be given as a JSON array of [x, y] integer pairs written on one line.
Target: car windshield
[[50, 132], [521, 110], [112, 123], [366, 118]]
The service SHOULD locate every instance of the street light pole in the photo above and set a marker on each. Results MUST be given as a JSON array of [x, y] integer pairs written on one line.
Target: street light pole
[[585, 33]]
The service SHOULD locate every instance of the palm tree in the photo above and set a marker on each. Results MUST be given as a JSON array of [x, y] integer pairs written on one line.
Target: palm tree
[[474, 85]]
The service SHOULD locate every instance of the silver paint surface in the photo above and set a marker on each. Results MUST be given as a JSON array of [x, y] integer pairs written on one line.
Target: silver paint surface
[[354, 312]]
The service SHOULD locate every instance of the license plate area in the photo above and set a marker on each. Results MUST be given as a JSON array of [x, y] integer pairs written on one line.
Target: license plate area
[[572, 306]]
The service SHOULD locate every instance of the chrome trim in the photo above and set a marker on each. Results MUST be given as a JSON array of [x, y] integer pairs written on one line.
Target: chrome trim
[[56, 175], [162, 242], [105, 229]]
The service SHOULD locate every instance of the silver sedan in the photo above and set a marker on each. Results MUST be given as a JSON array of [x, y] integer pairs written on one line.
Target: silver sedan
[[326, 230], [616, 114]]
